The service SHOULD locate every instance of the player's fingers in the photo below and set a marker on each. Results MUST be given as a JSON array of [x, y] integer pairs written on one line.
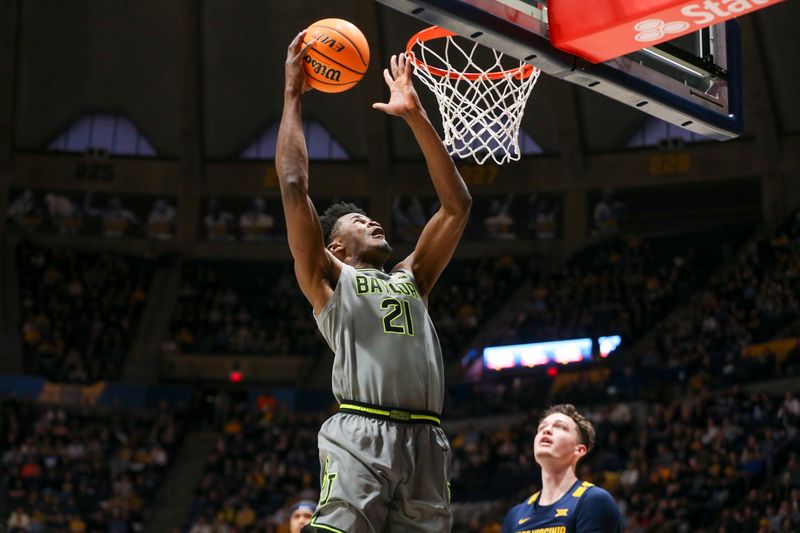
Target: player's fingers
[[393, 64], [406, 64], [306, 46], [297, 40], [379, 106], [292, 45], [387, 76]]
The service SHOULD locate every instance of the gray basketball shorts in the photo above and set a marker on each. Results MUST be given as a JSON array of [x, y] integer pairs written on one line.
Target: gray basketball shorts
[[380, 475]]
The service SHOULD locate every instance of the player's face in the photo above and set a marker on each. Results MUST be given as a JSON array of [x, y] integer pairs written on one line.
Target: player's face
[[299, 518], [557, 440], [362, 236]]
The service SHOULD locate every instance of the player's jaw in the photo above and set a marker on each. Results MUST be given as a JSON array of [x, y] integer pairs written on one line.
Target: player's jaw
[[377, 238], [370, 235]]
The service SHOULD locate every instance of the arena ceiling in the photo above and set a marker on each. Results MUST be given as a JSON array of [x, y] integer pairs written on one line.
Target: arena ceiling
[[147, 58]]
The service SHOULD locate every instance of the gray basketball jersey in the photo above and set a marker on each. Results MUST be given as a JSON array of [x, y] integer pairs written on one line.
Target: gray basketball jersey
[[386, 349]]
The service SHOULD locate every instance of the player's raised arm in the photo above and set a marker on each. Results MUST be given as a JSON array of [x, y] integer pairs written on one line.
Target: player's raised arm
[[314, 266], [441, 234]]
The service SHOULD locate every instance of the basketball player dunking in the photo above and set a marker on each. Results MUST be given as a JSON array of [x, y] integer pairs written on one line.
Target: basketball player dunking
[[385, 460]]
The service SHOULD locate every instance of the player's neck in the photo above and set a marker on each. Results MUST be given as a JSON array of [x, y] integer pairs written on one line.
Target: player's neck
[[555, 483], [359, 261]]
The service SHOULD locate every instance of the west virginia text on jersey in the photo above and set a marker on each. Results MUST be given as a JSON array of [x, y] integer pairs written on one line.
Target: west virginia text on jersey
[[554, 529]]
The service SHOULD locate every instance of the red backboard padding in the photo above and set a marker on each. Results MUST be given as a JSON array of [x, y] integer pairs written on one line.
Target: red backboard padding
[[604, 29]]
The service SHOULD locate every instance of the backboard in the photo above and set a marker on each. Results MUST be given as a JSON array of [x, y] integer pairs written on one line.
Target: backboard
[[693, 81]]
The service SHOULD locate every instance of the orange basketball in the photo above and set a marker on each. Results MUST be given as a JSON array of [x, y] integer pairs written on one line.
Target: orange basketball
[[339, 56]]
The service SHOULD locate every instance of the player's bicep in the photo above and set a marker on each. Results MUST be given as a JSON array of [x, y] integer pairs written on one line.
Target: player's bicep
[[436, 246], [314, 265]]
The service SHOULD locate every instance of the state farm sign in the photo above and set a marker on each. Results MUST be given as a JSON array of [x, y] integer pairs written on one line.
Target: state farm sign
[[618, 27]]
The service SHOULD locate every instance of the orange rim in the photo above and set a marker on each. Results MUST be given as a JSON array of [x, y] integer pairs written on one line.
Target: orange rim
[[435, 32]]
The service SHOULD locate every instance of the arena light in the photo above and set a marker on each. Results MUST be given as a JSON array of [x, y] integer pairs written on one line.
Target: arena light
[[563, 352], [606, 345], [499, 358], [235, 375], [537, 354]]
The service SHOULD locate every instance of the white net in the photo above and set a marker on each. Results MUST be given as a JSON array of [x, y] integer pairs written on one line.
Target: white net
[[481, 107]]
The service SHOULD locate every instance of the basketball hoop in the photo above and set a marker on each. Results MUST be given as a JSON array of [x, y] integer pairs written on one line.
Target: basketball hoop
[[481, 108]]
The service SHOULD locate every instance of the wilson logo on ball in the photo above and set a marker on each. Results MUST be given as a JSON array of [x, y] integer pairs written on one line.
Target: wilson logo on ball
[[323, 69]]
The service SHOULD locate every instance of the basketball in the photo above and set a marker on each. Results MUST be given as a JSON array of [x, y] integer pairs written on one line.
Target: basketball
[[339, 57]]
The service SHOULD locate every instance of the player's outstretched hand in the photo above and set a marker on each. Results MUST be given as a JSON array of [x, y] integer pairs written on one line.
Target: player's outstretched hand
[[403, 99], [296, 81]]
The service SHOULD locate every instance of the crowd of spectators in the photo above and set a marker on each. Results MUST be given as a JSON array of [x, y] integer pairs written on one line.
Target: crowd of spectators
[[699, 460], [747, 303], [264, 460], [778, 507], [695, 456], [695, 462], [229, 307], [468, 294], [92, 214], [703, 345], [81, 471], [692, 462], [79, 310], [619, 286]]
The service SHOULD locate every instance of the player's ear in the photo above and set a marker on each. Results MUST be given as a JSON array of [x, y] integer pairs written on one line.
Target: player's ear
[[581, 449], [335, 247]]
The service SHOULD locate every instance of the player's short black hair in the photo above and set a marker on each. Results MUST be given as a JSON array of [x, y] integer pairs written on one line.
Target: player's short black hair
[[331, 215]]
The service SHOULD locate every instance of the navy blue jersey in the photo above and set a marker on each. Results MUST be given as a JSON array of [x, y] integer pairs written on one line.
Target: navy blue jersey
[[583, 508]]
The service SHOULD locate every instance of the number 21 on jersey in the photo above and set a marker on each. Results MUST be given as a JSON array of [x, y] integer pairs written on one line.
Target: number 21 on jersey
[[398, 318]]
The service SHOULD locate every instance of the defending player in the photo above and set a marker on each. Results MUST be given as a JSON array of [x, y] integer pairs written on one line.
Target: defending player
[[385, 460], [565, 503]]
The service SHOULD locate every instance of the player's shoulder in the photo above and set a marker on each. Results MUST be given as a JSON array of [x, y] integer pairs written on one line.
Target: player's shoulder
[[526, 505], [598, 503], [597, 494], [402, 271]]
